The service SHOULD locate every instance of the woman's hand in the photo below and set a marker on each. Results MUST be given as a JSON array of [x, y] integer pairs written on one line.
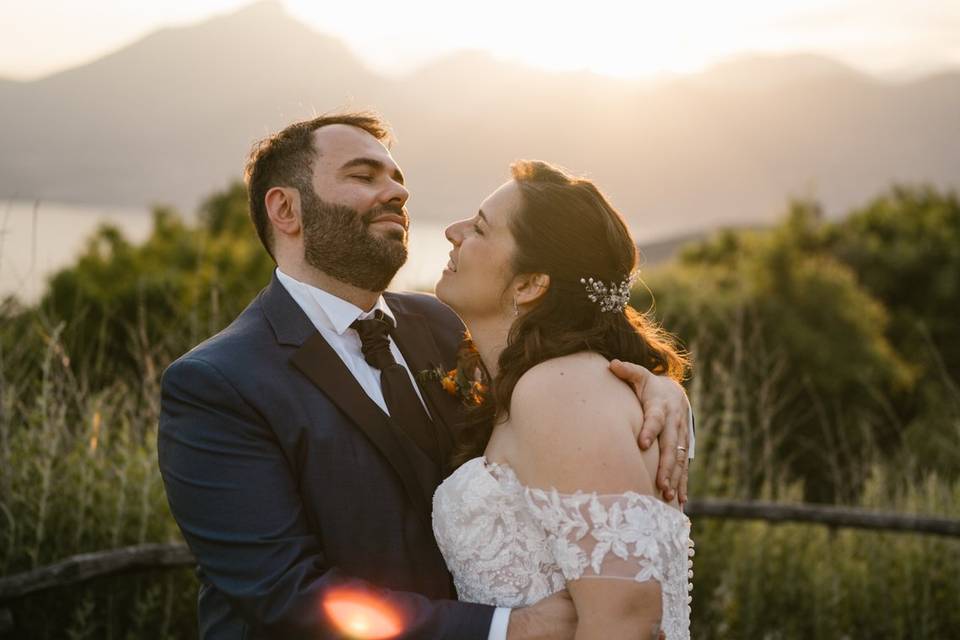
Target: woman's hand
[[666, 416]]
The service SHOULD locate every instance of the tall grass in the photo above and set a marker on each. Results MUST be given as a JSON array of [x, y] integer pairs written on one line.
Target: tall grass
[[780, 581], [78, 473], [758, 580]]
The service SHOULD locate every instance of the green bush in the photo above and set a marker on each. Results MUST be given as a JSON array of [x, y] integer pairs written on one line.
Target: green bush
[[136, 306], [841, 336]]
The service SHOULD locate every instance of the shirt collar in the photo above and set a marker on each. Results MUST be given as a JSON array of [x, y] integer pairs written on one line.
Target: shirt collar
[[337, 313]]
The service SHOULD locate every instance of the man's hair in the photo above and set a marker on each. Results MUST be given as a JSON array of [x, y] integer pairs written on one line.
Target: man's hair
[[285, 159]]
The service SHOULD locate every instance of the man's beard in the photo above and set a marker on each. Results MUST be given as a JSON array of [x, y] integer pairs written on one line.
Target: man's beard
[[338, 242]]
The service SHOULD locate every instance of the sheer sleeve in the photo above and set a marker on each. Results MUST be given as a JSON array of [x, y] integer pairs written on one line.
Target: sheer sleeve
[[625, 536]]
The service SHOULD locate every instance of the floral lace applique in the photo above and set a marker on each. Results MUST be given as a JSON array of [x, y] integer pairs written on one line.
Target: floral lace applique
[[510, 545]]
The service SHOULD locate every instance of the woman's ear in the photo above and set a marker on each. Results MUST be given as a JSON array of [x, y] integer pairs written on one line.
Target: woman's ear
[[283, 209], [531, 287]]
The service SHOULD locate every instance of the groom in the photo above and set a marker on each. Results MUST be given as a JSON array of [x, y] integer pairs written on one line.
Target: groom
[[300, 451]]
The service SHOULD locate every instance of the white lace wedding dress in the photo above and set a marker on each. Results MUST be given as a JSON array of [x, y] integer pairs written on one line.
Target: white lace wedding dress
[[509, 545]]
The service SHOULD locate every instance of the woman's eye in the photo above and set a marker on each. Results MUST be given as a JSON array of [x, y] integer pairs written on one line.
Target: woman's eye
[[363, 177], [477, 229]]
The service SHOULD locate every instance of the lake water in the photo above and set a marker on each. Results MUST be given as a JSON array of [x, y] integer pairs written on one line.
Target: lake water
[[36, 240]]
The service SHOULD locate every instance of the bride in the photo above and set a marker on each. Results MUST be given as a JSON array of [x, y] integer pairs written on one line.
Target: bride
[[551, 491]]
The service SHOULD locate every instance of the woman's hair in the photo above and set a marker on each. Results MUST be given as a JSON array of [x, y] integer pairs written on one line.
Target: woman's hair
[[566, 229]]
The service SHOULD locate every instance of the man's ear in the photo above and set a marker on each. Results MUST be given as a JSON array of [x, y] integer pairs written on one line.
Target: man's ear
[[531, 287], [283, 209]]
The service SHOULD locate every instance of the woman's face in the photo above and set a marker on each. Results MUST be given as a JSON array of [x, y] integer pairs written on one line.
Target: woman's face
[[475, 281]]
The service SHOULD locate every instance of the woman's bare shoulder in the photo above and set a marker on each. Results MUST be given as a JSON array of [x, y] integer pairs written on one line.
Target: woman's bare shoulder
[[573, 425], [572, 385]]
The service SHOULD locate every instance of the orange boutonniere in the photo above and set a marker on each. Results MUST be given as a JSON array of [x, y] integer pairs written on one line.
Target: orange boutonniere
[[469, 388], [454, 382], [449, 382]]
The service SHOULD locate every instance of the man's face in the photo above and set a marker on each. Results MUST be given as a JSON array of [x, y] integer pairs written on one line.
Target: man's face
[[355, 223]]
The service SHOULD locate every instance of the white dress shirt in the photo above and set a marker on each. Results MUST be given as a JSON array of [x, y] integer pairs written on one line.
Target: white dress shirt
[[332, 316]]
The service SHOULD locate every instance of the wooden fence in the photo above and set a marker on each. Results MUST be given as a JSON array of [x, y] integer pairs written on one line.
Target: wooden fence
[[86, 566], [83, 567]]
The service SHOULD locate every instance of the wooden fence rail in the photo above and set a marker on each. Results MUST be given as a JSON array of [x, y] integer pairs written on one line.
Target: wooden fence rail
[[86, 566], [83, 567], [823, 514]]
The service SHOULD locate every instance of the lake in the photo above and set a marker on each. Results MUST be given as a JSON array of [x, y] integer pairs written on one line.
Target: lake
[[36, 240]]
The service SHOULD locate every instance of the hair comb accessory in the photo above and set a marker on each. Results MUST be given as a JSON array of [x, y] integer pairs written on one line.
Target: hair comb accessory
[[612, 298]]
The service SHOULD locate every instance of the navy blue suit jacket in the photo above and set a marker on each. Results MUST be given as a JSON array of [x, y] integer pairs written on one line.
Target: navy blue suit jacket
[[289, 484]]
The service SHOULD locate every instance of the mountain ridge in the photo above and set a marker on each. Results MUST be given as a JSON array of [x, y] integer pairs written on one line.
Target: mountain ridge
[[170, 118]]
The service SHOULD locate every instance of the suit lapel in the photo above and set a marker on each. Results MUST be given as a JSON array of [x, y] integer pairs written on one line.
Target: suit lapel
[[320, 363], [323, 367], [419, 349]]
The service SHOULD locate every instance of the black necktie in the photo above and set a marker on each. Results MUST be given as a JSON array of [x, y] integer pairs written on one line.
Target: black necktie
[[404, 405]]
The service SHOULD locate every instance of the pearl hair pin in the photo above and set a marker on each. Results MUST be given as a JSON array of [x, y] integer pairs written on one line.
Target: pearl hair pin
[[612, 298]]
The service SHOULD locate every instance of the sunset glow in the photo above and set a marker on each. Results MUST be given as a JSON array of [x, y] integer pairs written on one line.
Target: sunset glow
[[641, 38]]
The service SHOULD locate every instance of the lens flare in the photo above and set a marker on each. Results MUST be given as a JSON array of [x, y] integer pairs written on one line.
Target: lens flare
[[362, 616]]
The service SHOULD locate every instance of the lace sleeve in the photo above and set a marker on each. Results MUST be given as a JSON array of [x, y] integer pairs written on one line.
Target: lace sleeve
[[626, 536]]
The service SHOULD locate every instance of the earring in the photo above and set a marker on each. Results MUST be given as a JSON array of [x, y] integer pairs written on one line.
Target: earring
[[516, 309]]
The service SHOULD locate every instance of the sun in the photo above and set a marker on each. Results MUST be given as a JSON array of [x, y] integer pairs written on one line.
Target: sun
[[640, 38]]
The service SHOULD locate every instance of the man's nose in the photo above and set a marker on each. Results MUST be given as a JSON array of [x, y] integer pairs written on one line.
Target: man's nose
[[396, 193], [454, 233]]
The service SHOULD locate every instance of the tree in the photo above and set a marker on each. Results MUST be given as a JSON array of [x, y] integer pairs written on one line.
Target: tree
[[135, 307], [792, 359]]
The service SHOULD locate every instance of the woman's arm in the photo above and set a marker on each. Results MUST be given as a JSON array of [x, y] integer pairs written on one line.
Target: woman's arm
[[573, 427]]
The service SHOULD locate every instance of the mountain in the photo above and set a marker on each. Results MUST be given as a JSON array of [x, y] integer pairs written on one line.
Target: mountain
[[171, 117], [772, 70]]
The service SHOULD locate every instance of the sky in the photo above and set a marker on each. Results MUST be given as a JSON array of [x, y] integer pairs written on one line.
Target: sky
[[628, 38]]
